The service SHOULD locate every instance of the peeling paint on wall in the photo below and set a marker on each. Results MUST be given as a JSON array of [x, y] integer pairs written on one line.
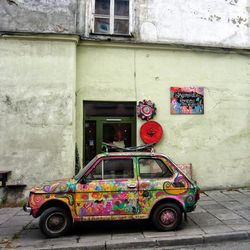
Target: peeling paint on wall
[[203, 22], [199, 22], [40, 16], [239, 21], [232, 2]]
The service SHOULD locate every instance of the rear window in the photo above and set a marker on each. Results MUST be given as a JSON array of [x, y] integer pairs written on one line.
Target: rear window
[[153, 168]]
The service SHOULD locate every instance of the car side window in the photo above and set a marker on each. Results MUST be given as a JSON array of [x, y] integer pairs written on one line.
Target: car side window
[[153, 168], [112, 169]]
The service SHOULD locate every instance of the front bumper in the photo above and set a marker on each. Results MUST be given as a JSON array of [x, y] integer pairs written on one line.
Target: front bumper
[[27, 208]]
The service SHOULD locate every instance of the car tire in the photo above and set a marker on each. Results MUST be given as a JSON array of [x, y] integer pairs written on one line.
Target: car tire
[[167, 217], [55, 222]]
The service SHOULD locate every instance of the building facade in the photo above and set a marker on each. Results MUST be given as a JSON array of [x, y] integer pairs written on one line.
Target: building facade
[[72, 73]]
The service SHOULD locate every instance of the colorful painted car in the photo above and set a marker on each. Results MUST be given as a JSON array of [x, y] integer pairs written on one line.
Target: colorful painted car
[[116, 186]]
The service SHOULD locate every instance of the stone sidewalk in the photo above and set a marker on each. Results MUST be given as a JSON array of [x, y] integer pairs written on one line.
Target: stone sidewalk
[[220, 215]]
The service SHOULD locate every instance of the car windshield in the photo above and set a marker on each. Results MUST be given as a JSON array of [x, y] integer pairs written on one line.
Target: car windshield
[[84, 169]]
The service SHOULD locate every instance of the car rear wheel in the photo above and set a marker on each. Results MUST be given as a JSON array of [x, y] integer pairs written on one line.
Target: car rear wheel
[[54, 222], [167, 217]]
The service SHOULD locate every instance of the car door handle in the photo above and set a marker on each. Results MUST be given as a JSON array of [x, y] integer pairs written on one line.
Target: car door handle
[[131, 186], [98, 201]]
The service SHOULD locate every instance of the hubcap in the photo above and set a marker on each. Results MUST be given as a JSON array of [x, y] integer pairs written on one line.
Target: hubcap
[[56, 222], [168, 217]]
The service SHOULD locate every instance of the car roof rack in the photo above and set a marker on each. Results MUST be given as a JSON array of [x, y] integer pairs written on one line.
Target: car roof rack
[[108, 147]]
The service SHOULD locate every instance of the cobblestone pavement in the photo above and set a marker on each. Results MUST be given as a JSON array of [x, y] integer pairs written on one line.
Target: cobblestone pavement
[[220, 215]]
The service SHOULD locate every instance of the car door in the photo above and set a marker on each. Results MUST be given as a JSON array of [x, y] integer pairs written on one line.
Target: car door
[[111, 188], [154, 174]]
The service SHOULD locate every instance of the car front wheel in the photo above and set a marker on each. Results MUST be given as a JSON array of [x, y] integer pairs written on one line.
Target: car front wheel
[[55, 221], [167, 217]]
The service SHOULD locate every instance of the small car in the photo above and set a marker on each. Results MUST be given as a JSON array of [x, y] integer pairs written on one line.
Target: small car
[[116, 186]]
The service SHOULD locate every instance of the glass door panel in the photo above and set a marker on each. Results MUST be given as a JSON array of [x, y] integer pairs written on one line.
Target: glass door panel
[[90, 140], [118, 134]]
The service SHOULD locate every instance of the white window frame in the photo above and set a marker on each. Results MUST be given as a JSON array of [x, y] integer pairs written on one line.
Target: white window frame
[[111, 17]]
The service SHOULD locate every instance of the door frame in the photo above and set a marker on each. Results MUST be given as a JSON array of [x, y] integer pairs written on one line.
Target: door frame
[[100, 120]]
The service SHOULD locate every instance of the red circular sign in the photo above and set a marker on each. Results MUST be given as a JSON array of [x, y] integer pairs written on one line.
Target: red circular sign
[[151, 132]]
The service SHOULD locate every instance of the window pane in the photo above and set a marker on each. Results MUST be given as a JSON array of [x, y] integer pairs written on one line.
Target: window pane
[[118, 168], [102, 25], [151, 168], [96, 173], [121, 26], [102, 7], [122, 7]]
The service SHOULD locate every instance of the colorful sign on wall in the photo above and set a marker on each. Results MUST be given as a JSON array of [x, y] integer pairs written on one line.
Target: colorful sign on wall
[[187, 100]]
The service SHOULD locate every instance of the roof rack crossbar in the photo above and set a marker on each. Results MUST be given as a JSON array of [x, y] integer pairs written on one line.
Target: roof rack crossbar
[[107, 147]]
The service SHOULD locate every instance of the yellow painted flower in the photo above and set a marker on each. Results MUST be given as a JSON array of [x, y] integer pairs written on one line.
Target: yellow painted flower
[[131, 196]]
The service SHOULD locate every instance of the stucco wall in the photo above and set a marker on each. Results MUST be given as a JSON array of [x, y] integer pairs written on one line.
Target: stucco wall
[[37, 93], [216, 143], [223, 23], [40, 16], [205, 22], [201, 22]]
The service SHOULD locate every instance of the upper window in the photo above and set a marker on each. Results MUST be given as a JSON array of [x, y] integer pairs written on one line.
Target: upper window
[[153, 168], [111, 17], [112, 169]]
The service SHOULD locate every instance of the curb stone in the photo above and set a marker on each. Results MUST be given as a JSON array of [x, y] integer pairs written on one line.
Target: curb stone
[[155, 242], [76, 246], [226, 237], [138, 243], [181, 240]]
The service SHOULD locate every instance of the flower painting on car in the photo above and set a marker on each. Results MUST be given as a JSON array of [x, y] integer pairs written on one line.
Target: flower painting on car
[[187, 100]]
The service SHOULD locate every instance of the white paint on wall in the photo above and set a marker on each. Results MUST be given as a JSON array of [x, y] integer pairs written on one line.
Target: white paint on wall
[[202, 22], [148, 32], [218, 23]]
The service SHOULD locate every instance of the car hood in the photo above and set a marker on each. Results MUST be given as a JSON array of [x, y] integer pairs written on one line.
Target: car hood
[[57, 186]]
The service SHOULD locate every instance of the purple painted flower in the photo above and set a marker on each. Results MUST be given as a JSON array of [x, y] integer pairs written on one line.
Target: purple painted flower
[[46, 188]]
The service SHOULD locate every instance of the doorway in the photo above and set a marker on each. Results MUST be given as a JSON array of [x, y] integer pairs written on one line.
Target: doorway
[[110, 122]]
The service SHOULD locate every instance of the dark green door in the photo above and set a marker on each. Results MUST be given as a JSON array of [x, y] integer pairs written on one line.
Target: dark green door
[[111, 122]]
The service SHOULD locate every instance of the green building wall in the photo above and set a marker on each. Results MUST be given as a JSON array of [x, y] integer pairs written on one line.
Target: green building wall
[[37, 111], [216, 143], [45, 79]]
